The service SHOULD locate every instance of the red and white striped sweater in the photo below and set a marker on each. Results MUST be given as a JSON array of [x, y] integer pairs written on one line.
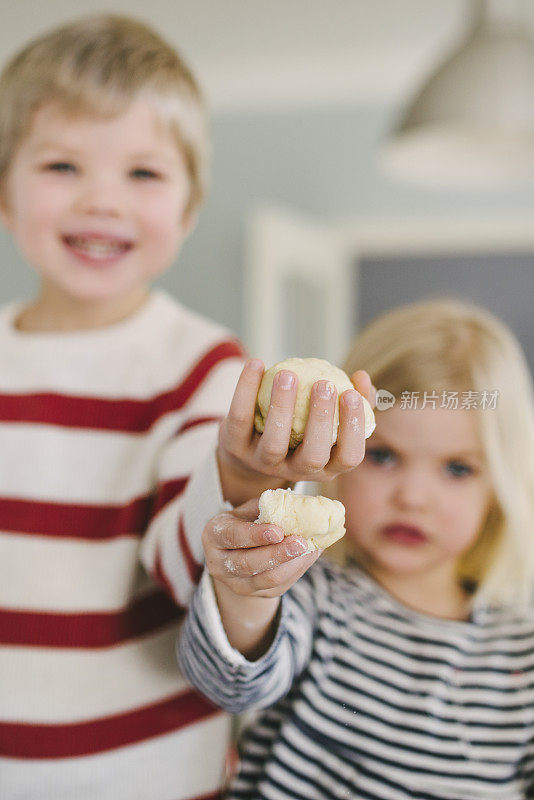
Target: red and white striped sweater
[[107, 477]]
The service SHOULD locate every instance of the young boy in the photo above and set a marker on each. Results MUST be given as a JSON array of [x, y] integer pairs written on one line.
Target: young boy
[[110, 401]]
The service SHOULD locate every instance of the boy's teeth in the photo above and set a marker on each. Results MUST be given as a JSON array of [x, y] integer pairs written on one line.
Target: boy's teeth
[[97, 247]]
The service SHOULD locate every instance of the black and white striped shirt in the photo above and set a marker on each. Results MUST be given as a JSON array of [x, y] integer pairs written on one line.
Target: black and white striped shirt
[[368, 700]]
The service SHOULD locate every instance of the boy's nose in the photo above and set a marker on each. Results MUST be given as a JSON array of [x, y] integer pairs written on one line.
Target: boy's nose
[[100, 198]]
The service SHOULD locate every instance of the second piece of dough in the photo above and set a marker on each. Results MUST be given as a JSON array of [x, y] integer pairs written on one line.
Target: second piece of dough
[[318, 519]]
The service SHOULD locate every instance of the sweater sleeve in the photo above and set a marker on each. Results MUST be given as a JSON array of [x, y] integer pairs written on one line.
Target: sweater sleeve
[[188, 491], [223, 674]]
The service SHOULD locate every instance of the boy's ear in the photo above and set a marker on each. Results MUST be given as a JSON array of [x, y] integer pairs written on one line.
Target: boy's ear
[[189, 222], [5, 213]]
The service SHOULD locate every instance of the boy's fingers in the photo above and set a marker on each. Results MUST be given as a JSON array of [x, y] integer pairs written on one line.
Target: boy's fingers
[[274, 442], [238, 427], [314, 451], [350, 446], [362, 382]]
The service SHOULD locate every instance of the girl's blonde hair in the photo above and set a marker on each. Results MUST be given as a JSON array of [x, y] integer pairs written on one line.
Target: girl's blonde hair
[[97, 66], [444, 346]]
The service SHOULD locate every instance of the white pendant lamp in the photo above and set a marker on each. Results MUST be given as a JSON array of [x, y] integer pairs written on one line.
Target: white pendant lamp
[[472, 123]]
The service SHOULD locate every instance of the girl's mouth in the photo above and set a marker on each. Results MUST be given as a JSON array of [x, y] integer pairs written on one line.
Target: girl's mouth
[[404, 534], [97, 249]]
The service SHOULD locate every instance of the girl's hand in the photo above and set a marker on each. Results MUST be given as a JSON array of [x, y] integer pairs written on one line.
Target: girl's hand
[[252, 565], [247, 458], [250, 559]]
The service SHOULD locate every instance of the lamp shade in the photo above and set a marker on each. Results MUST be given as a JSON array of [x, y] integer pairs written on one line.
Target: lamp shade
[[472, 123]]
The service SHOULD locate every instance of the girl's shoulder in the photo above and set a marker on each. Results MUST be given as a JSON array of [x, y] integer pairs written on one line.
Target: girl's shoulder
[[335, 584], [506, 622], [352, 592]]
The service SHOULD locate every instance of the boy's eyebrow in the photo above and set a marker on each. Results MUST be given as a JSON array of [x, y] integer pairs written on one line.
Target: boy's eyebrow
[[70, 149], [45, 145], [150, 155]]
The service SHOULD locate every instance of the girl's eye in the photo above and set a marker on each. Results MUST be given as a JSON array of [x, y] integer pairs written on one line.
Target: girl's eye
[[379, 455], [144, 174], [61, 166], [458, 469]]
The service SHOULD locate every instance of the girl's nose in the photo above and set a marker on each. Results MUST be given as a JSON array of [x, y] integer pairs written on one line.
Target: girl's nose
[[413, 489]]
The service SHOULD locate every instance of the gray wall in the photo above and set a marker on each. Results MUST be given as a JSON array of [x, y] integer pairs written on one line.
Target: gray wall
[[504, 286]]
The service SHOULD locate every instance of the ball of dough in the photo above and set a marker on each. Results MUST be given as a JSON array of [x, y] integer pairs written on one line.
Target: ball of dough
[[308, 372], [319, 519]]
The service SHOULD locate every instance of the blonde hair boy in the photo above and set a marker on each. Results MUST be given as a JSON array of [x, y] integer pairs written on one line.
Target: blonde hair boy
[[444, 346], [97, 66], [111, 394]]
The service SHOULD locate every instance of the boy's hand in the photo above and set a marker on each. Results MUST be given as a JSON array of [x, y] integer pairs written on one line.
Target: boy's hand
[[253, 559], [250, 462]]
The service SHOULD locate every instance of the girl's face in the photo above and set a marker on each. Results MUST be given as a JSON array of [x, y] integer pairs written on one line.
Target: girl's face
[[420, 497]]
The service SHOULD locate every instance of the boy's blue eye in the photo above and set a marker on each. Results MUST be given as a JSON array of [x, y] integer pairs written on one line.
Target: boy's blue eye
[[458, 469], [379, 455], [144, 174], [61, 166]]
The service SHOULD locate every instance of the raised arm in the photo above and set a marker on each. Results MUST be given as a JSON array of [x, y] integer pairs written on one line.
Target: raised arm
[[250, 462]]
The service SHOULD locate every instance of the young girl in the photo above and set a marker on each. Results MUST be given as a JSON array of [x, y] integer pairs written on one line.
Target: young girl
[[409, 672]]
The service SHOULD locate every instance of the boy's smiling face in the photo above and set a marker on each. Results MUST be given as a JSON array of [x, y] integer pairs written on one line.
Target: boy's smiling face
[[97, 207]]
